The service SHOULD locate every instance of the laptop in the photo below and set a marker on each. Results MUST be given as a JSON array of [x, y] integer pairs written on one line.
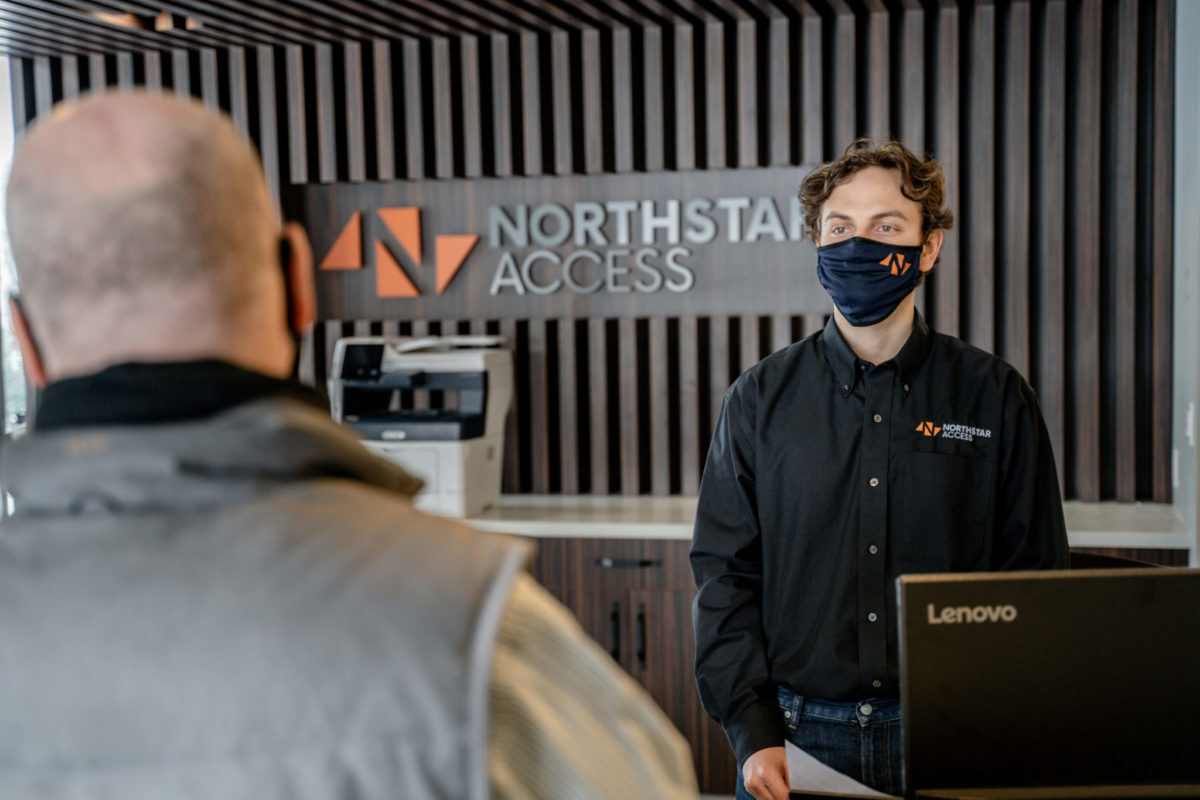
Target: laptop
[[1051, 684]]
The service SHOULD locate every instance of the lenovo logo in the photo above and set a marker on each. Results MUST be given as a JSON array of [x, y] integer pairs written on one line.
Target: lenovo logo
[[964, 614]]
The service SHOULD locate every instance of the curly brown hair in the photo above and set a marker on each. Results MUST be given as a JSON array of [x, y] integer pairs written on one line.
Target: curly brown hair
[[921, 181]]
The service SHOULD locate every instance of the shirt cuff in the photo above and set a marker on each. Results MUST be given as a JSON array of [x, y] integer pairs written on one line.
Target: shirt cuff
[[756, 728]]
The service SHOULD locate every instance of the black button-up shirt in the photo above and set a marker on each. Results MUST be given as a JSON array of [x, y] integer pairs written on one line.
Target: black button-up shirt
[[826, 479]]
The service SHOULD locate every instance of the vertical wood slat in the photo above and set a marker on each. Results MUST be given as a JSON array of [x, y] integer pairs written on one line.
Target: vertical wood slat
[[473, 139], [531, 100], [1162, 179], [180, 68], [70, 78], [912, 88], [748, 343], [809, 87], [718, 365], [268, 125], [714, 95], [152, 66], [781, 332], [944, 50], [356, 133], [326, 119], [780, 83], [1084, 223], [210, 93], [538, 444], [689, 407], [414, 117], [560, 105], [568, 403], [598, 404], [683, 40], [660, 432], [501, 105], [385, 143], [980, 198], [443, 125], [297, 130], [513, 444], [593, 114], [1123, 250], [844, 59], [96, 72], [622, 79], [878, 73], [1012, 281], [1050, 262], [627, 383], [43, 95], [125, 70], [747, 92], [652, 107], [238, 101]]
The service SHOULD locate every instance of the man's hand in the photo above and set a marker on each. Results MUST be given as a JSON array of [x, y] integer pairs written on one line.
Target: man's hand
[[766, 774]]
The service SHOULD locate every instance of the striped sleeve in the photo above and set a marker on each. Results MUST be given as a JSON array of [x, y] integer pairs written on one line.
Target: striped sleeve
[[565, 722]]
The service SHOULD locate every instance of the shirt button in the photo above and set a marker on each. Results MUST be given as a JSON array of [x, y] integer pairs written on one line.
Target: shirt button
[[787, 715], [874, 481], [871, 617], [872, 549], [877, 683], [846, 387], [878, 418], [906, 387], [865, 709]]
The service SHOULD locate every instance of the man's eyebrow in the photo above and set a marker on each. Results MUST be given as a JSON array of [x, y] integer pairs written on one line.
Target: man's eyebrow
[[836, 215]]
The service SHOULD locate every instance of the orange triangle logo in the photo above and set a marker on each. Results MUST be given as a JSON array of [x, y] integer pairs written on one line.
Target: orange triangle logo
[[346, 252], [405, 224], [452, 251], [390, 278]]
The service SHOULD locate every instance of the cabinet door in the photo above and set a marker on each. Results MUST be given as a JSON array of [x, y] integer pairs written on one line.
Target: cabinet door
[[662, 650]]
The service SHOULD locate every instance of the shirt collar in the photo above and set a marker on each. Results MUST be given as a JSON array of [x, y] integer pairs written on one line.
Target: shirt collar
[[844, 363]]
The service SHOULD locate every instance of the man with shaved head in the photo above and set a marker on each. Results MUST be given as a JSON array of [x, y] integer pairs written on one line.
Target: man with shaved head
[[208, 589]]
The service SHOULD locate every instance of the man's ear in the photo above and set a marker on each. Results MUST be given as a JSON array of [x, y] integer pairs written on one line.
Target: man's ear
[[299, 271], [35, 369], [930, 250]]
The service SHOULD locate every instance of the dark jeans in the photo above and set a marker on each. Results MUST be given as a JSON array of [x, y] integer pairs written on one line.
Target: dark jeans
[[860, 739]]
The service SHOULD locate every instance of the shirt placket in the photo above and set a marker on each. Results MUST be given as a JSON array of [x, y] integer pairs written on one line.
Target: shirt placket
[[872, 529]]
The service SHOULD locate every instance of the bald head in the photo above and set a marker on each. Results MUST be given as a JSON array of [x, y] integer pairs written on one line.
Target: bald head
[[142, 230]]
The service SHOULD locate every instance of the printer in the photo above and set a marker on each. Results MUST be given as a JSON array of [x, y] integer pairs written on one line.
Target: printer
[[375, 386]]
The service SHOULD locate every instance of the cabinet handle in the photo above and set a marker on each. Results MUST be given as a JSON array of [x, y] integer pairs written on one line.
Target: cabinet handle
[[614, 632], [627, 563], [641, 636]]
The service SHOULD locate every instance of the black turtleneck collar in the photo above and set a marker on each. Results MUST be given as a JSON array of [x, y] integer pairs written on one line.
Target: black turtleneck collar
[[139, 394]]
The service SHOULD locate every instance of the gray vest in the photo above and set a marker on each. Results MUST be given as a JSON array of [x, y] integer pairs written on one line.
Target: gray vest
[[242, 607]]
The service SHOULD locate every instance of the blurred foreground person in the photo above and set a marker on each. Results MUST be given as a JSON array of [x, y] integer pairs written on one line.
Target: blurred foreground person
[[210, 590]]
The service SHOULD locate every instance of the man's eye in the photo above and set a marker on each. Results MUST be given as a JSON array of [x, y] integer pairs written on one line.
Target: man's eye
[[837, 230], [885, 228]]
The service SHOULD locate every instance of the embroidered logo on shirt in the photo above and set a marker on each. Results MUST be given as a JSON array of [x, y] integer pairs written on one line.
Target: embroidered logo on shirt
[[953, 430], [929, 429]]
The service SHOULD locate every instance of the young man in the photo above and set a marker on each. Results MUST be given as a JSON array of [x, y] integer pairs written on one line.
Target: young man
[[871, 449], [208, 589]]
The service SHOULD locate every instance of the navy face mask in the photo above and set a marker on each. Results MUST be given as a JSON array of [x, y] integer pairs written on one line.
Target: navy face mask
[[867, 279]]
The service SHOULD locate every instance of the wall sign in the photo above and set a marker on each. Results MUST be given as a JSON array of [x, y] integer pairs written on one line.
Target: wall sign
[[639, 244]]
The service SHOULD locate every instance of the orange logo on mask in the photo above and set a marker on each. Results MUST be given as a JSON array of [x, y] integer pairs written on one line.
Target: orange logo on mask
[[897, 262]]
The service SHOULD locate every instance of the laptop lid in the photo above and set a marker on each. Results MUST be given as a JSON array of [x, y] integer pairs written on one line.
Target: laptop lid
[[1077, 678]]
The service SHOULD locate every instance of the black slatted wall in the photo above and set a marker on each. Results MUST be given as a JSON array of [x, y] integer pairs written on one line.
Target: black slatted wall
[[1053, 119]]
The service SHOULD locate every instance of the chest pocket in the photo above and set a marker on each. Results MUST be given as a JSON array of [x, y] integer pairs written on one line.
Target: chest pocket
[[946, 507]]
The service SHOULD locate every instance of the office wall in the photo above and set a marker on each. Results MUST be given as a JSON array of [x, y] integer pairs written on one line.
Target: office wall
[[1053, 119]]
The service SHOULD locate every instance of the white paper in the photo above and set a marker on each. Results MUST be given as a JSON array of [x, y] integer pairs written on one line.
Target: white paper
[[807, 774]]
